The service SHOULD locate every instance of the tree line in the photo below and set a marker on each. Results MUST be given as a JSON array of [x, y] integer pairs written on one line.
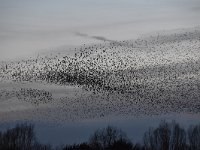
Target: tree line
[[167, 136]]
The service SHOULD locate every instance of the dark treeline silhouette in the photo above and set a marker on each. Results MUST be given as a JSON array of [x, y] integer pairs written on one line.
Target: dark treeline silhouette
[[21, 137], [167, 136]]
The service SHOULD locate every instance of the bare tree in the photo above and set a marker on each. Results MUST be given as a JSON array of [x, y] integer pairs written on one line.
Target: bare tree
[[22, 137], [0, 139], [165, 137], [106, 138], [148, 139], [178, 137], [194, 137], [159, 138], [121, 145]]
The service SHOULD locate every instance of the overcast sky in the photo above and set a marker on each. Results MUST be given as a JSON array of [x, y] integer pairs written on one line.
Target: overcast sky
[[31, 25]]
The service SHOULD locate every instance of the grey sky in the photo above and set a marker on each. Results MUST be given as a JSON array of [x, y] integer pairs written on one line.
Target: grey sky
[[31, 25]]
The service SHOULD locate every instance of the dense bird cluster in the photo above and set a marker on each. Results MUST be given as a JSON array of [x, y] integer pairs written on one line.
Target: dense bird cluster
[[33, 96], [161, 72], [5, 94]]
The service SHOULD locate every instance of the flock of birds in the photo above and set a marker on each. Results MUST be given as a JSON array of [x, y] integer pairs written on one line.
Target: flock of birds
[[31, 95], [152, 75]]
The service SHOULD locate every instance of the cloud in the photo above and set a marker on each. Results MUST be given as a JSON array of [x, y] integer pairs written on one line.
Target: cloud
[[196, 8], [101, 38]]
